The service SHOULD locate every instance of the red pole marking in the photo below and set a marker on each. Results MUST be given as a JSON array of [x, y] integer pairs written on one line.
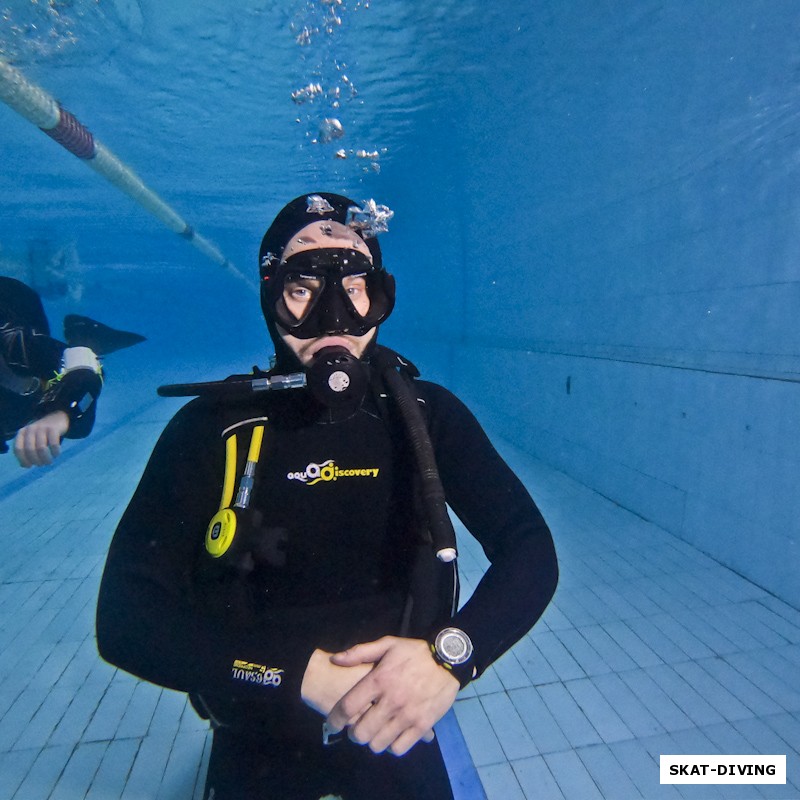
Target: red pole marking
[[72, 135]]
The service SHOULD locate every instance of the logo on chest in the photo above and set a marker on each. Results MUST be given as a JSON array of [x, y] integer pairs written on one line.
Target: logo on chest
[[329, 471]]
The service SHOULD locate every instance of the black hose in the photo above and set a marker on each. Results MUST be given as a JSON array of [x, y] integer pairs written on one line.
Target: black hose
[[233, 388], [432, 493], [211, 388]]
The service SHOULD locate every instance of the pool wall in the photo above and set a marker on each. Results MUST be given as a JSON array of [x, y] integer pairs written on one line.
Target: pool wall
[[622, 232]]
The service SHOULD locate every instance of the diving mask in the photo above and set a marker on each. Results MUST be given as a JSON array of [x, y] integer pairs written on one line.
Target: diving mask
[[328, 290]]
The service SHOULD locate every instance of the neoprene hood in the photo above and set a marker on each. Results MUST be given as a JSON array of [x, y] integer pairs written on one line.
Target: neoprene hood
[[332, 311]]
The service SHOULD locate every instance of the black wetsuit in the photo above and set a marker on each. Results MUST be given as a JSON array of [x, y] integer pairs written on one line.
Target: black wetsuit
[[29, 361], [334, 539], [25, 395]]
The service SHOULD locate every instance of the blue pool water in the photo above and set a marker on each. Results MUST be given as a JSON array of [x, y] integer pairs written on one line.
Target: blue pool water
[[595, 245]]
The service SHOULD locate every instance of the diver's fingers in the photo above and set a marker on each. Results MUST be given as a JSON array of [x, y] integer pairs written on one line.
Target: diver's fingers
[[41, 455], [38, 444], [28, 446], [21, 448], [49, 432], [54, 441]]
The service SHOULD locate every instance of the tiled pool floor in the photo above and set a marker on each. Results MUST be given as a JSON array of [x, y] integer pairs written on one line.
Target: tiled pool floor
[[649, 647]]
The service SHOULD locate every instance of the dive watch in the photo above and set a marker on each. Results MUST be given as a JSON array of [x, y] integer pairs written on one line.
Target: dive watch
[[452, 649]]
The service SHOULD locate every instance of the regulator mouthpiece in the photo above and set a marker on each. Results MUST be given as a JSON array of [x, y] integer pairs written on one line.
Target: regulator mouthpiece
[[336, 378]]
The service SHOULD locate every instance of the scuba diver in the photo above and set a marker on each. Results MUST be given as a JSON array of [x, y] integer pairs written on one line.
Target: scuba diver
[[288, 559], [48, 388]]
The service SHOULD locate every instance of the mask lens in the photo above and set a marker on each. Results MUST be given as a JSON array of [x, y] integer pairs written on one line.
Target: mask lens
[[332, 290], [357, 291], [300, 294]]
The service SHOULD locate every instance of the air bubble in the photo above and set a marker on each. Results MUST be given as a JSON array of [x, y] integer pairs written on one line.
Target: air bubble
[[307, 93], [330, 129], [370, 219]]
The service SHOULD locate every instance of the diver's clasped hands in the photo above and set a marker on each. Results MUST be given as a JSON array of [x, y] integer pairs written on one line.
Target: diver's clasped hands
[[398, 700], [37, 444]]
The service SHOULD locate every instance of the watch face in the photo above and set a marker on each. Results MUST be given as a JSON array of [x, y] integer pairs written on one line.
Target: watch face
[[453, 646]]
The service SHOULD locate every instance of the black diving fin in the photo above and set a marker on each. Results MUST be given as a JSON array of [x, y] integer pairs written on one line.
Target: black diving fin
[[85, 332]]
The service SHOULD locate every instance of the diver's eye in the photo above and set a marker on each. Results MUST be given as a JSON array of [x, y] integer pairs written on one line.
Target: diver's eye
[[299, 293], [356, 288], [354, 284], [302, 286]]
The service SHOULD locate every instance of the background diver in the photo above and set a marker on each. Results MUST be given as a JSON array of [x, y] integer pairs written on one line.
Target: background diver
[[48, 387], [287, 558]]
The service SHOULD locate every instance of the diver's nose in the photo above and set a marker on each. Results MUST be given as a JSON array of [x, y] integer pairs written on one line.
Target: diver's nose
[[334, 316]]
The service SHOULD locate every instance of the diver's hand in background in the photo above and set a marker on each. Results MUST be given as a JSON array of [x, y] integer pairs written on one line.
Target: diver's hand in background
[[324, 683], [38, 443], [405, 695]]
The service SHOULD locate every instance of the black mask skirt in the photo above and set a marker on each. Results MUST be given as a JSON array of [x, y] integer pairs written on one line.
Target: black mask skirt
[[329, 310]]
